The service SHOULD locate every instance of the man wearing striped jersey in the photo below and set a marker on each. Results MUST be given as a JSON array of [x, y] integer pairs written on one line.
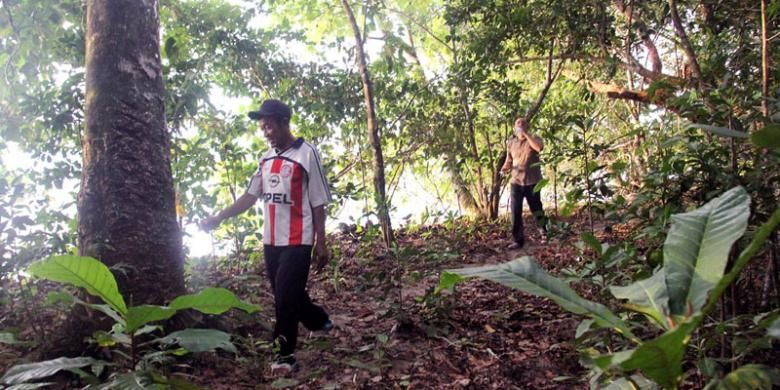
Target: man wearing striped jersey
[[292, 185]]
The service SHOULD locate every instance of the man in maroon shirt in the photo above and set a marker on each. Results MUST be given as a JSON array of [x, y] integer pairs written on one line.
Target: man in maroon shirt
[[522, 159]]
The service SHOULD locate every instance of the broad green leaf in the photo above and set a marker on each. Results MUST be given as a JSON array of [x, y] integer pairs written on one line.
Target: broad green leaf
[[105, 309], [31, 371], [212, 301], [84, 272], [767, 137], [200, 340], [647, 296], [138, 316], [541, 184], [135, 380], [774, 329], [593, 242], [447, 281], [697, 248], [365, 366], [659, 359], [526, 275], [583, 328], [635, 382], [283, 383], [10, 339], [750, 376], [723, 131], [29, 386]]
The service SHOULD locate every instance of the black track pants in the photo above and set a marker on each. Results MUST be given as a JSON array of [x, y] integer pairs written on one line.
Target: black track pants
[[534, 200], [288, 271]]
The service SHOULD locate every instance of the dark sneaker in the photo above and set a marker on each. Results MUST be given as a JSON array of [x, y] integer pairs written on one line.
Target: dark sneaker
[[327, 326], [514, 246], [284, 365]]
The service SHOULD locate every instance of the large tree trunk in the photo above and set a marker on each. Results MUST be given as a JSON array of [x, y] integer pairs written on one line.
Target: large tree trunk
[[373, 131], [126, 205]]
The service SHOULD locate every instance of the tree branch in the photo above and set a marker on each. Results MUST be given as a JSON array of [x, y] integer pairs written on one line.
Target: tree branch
[[548, 83], [644, 34], [686, 44], [422, 27]]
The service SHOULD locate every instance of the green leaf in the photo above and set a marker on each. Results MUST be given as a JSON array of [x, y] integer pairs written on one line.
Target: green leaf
[[774, 329], [29, 386], [524, 274], [541, 184], [31, 371], [84, 272], [723, 131], [200, 340], [283, 383], [447, 281], [767, 137], [135, 380], [364, 366], [697, 248], [659, 359], [648, 297], [10, 339], [583, 328], [212, 301], [591, 241], [635, 382], [139, 316], [750, 376]]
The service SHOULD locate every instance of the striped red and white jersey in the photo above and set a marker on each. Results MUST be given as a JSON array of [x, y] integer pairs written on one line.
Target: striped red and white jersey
[[291, 183]]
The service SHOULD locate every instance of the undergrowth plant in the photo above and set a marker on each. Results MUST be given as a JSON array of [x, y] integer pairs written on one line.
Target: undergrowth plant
[[140, 355], [676, 300]]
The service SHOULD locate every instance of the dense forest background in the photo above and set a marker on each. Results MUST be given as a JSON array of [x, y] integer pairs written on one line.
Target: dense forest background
[[661, 123]]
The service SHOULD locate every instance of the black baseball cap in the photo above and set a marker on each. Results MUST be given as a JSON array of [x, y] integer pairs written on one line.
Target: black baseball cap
[[272, 107]]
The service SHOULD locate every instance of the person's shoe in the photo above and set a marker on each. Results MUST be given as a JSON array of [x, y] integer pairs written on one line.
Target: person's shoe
[[514, 246], [284, 365], [327, 326]]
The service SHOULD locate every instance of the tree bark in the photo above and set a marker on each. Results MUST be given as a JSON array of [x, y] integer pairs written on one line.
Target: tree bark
[[373, 131], [126, 205]]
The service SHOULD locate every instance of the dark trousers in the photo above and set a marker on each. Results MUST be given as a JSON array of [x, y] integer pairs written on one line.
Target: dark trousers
[[288, 270], [534, 202]]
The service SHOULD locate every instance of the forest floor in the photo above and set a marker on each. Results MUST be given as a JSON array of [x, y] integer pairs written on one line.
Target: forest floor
[[391, 331], [483, 335]]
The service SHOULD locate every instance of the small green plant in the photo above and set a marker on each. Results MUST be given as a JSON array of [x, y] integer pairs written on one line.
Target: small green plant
[[676, 299], [139, 360]]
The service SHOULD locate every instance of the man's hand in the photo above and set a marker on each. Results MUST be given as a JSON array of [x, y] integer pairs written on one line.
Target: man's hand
[[505, 170], [321, 256], [210, 223]]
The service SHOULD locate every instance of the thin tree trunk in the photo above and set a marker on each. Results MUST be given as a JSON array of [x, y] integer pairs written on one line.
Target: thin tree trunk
[[465, 198], [373, 131], [764, 61]]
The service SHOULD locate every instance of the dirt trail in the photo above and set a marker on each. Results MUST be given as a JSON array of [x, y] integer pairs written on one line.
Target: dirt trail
[[483, 336]]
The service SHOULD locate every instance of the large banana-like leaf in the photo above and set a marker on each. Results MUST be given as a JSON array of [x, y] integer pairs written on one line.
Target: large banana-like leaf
[[750, 376], [21, 373], [647, 296], [200, 340], [524, 274], [84, 272], [212, 301], [697, 249]]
